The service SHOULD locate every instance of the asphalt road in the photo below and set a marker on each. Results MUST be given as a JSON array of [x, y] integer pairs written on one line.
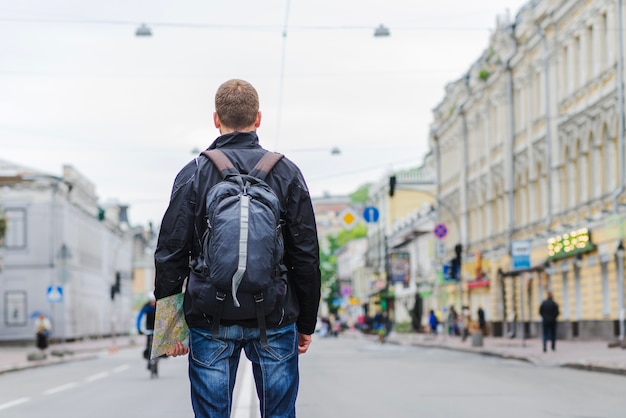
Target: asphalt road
[[340, 377], [343, 377], [114, 385]]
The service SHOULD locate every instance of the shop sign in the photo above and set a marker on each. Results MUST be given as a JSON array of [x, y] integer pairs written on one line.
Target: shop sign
[[569, 244], [520, 252]]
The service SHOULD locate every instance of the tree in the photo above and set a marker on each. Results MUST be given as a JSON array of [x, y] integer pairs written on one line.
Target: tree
[[3, 226], [328, 263], [361, 194]]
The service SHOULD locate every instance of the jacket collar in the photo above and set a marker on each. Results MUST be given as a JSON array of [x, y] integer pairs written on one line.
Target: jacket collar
[[236, 140]]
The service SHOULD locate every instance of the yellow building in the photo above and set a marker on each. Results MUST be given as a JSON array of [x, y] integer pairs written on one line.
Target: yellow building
[[530, 151]]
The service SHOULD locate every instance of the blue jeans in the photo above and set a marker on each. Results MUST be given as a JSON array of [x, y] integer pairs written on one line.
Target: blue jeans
[[549, 334], [213, 362]]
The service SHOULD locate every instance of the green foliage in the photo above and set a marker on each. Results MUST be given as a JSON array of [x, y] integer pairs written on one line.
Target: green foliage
[[403, 327], [332, 296], [344, 236], [361, 194], [3, 226], [328, 262], [484, 74]]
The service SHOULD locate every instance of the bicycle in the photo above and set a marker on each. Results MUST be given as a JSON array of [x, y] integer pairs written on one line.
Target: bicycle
[[153, 363]]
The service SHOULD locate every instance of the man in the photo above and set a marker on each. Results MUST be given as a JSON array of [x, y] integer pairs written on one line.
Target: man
[[149, 310], [213, 357], [549, 311], [482, 324], [42, 331]]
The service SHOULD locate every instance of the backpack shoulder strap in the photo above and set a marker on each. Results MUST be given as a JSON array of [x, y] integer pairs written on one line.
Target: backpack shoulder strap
[[221, 162], [265, 164]]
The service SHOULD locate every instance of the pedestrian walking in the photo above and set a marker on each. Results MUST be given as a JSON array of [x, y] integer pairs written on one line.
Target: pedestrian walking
[[42, 331], [465, 322], [433, 322], [549, 311], [452, 320], [271, 339], [482, 324]]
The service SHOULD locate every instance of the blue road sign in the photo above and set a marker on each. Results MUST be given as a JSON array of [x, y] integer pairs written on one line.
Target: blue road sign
[[440, 231], [371, 214], [54, 294]]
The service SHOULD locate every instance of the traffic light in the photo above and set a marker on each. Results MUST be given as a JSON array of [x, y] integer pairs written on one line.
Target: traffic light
[[115, 288], [458, 250], [392, 185], [455, 263], [455, 267]]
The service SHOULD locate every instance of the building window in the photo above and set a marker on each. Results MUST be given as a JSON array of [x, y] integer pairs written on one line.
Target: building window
[[606, 301], [566, 308], [604, 40], [576, 61], [567, 88], [15, 238], [576, 198], [591, 169], [590, 58], [542, 202], [583, 177], [610, 162]]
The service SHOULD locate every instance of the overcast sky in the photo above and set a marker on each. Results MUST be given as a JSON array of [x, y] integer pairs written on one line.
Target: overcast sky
[[77, 87]]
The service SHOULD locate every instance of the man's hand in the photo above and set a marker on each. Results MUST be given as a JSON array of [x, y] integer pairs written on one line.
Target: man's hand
[[304, 342], [178, 350]]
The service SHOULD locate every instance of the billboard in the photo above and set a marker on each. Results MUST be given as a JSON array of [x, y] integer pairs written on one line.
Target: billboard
[[400, 264]]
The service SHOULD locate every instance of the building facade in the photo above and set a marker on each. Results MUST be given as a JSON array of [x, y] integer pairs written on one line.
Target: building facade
[[532, 141], [395, 262], [63, 254]]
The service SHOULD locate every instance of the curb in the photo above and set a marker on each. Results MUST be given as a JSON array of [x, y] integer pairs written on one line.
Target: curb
[[78, 355], [42, 363], [484, 352], [595, 368]]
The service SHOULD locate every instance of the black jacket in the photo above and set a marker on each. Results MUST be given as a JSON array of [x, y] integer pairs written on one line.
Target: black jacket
[[549, 310], [184, 223]]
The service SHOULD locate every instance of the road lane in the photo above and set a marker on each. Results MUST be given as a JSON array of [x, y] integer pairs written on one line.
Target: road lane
[[353, 377], [113, 385]]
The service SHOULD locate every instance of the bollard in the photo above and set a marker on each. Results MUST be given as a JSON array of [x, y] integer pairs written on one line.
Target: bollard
[[477, 339]]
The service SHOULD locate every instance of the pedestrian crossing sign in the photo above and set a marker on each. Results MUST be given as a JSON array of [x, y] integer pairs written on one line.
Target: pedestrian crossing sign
[[54, 294]]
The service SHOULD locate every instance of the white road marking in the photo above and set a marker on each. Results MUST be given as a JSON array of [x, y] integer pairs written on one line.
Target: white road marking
[[243, 403], [14, 403], [96, 377], [59, 388], [121, 368]]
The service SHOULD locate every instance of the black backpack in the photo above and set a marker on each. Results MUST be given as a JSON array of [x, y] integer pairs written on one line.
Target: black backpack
[[242, 248]]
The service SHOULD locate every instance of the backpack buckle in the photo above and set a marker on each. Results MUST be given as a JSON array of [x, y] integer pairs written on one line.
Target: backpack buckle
[[258, 298], [220, 296]]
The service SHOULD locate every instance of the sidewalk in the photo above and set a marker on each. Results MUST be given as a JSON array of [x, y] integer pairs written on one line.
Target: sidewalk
[[15, 357], [586, 355]]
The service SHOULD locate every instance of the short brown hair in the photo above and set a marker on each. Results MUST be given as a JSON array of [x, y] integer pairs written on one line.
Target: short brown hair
[[237, 104]]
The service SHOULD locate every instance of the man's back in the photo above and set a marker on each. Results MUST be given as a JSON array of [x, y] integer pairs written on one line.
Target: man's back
[[216, 348], [549, 310]]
